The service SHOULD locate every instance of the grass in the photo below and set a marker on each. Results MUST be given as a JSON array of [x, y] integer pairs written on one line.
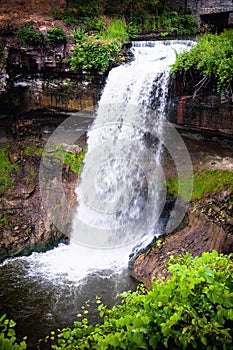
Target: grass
[[30, 176], [6, 168], [34, 150], [117, 30], [4, 218], [204, 182]]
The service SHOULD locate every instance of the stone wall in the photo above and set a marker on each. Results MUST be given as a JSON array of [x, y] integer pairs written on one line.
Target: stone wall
[[200, 8]]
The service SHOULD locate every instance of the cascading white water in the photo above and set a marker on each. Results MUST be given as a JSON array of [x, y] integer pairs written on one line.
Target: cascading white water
[[115, 210], [119, 200]]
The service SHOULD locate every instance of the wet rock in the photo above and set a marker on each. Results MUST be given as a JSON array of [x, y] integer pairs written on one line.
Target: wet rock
[[209, 226], [13, 156], [75, 149], [204, 110], [25, 224]]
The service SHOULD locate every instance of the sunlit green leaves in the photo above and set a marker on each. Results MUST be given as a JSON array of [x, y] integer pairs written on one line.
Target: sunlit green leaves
[[94, 54], [213, 56], [8, 335], [191, 310]]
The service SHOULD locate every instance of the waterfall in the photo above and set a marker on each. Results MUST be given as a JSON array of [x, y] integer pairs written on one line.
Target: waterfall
[[121, 194]]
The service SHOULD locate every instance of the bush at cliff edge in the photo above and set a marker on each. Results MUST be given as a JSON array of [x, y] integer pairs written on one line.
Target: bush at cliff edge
[[190, 310]]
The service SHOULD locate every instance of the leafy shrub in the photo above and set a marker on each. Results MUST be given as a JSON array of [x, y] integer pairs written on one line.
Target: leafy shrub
[[100, 24], [56, 36], [98, 51], [182, 24], [139, 19], [79, 35], [69, 18], [142, 15], [212, 56], [94, 24], [8, 336], [89, 23], [186, 25], [28, 35], [75, 161], [190, 310], [132, 30], [94, 54], [89, 9]]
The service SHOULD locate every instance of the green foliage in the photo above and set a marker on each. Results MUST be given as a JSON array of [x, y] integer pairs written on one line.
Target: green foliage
[[75, 161], [140, 19], [212, 56], [69, 18], [139, 15], [94, 24], [182, 24], [57, 14], [117, 30], [100, 24], [132, 30], [204, 181], [101, 49], [94, 54], [168, 22], [8, 336], [33, 149], [29, 36], [190, 310], [79, 35], [186, 25], [4, 218], [56, 36], [6, 168], [90, 9]]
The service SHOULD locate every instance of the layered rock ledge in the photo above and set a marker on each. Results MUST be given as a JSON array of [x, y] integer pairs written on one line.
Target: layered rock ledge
[[207, 226]]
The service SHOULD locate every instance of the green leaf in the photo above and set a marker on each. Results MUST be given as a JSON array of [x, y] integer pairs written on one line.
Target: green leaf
[[12, 323]]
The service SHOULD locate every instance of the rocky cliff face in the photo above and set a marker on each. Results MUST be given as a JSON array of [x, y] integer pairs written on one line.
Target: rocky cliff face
[[194, 108], [25, 223], [38, 79], [208, 225]]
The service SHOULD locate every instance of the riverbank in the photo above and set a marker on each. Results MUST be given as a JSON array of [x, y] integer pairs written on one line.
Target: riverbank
[[208, 223]]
